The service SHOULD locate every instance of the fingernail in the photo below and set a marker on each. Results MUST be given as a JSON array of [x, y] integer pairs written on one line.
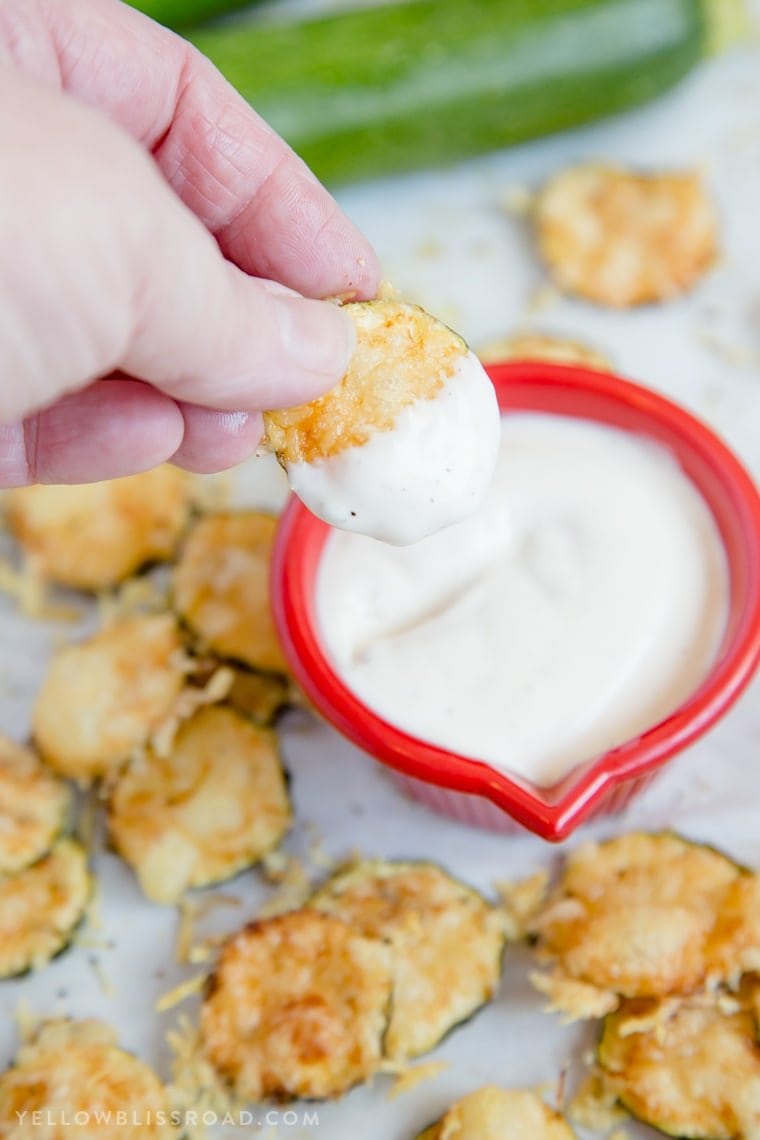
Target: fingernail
[[316, 336]]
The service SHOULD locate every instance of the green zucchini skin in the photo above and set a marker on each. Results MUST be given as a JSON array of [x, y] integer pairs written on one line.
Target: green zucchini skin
[[183, 13], [379, 90]]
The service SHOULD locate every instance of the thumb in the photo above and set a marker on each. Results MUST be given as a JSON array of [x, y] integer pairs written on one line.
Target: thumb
[[105, 269]]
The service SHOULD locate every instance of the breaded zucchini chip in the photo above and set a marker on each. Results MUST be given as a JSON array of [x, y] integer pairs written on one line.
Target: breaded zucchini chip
[[635, 917], [689, 1068], [297, 1007], [215, 804], [103, 697], [447, 943], [41, 907], [72, 1079], [221, 588], [543, 346], [95, 535], [406, 442], [34, 807], [261, 696], [390, 370], [492, 1113], [620, 238]]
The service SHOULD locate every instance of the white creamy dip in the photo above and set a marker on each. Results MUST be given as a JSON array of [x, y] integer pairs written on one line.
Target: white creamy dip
[[582, 604], [431, 470]]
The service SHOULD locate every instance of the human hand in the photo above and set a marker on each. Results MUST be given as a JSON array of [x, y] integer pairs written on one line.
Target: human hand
[[145, 214]]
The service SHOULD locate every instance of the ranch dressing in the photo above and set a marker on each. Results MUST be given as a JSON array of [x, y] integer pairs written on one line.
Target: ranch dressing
[[578, 607]]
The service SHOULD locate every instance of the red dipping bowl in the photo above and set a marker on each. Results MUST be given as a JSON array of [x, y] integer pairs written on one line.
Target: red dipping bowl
[[473, 791]]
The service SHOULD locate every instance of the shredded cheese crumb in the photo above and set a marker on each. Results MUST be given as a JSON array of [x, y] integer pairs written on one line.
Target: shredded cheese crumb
[[181, 993], [408, 1077]]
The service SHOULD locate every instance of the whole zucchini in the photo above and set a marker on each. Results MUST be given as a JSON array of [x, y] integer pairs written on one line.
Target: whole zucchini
[[369, 91], [182, 13]]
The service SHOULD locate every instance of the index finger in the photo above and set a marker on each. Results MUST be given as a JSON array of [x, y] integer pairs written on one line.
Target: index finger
[[267, 211]]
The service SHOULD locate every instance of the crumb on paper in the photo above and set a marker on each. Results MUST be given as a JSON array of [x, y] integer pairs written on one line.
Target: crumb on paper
[[595, 1104], [181, 993], [573, 999], [188, 701], [737, 355], [518, 201], [408, 1077], [27, 586], [195, 1088], [191, 911], [104, 981], [545, 296], [290, 876], [521, 901]]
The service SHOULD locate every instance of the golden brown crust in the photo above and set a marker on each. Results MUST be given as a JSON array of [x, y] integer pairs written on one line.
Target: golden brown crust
[[492, 1113], [634, 916], [102, 698], [95, 535], [621, 238], [72, 1079], [34, 807], [41, 906], [447, 944], [402, 355], [297, 1007], [221, 588], [690, 1068], [543, 346], [217, 803]]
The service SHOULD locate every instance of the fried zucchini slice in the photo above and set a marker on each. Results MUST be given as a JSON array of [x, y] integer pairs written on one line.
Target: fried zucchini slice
[[95, 535], [389, 371], [103, 697], [41, 906], [218, 802], [221, 588], [688, 1068], [492, 1113], [543, 346], [74, 1073], [297, 1007], [447, 943], [621, 238], [34, 807], [635, 916]]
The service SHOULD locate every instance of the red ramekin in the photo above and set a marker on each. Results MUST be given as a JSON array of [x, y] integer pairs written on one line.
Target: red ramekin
[[471, 790]]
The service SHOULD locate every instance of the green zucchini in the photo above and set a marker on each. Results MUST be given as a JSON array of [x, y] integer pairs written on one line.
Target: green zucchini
[[183, 13], [370, 91]]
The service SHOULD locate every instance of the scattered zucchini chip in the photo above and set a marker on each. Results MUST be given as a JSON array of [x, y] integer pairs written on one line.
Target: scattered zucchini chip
[[543, 346], [447, 943], [297, 1007], [103, 697], [621, 238], [41, 907], [492, 1113], [34, 807], [218, 802], [402, 355], [690, 1068], [95, 535], [635, 916], [221, 588], [73, 1077]]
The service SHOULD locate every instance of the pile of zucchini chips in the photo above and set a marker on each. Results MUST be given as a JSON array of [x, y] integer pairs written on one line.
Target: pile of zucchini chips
[[169, 710]]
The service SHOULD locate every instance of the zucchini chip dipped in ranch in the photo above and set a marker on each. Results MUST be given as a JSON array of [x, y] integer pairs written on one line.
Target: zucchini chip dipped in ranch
[[447, 944], [406, 443], [297, 1007], [492, 1113], [72, 1078]]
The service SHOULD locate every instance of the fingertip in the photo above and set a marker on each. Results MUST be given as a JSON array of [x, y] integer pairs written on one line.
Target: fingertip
[[216, 440]]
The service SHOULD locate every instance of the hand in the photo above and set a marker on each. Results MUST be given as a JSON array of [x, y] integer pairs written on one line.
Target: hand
[[145, 214]]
